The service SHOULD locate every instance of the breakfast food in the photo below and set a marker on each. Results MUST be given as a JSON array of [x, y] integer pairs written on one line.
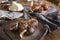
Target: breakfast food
[[25, 27]]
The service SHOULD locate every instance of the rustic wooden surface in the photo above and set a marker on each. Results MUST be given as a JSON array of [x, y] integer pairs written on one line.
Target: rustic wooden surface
[[53, 36]]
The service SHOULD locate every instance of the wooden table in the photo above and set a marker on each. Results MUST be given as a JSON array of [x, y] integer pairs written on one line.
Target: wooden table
[[53, 36]]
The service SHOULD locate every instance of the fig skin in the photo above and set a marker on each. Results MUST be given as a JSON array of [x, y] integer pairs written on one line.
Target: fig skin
[[39, 7], [28, 25]]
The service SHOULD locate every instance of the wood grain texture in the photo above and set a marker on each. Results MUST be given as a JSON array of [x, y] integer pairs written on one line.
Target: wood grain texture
[[53, 36]]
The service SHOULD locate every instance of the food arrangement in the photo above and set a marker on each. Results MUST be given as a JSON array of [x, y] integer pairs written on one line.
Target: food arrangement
[[28, 23], [25, 26], [39, 7]]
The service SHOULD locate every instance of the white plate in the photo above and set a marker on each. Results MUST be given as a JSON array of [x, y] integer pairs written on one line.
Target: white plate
[[18, 7]]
